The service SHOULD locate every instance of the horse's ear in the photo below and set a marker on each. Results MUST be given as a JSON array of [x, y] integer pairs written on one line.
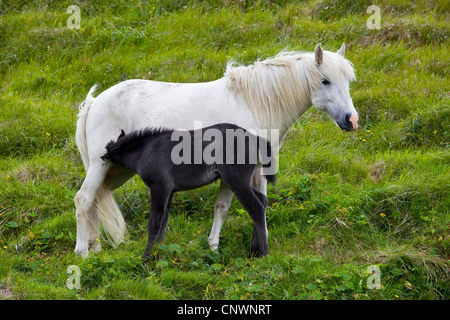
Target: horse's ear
[[341, 51], [318, 54], [121, 134]]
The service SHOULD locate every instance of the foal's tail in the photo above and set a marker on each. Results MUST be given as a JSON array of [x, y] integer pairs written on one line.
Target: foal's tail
[[109, 213]]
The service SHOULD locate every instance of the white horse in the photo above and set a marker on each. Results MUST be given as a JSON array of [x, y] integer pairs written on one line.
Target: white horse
[[270, 94]]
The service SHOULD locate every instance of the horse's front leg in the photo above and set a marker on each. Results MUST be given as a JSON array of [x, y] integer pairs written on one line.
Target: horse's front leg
[[259, 181], [221, 208]]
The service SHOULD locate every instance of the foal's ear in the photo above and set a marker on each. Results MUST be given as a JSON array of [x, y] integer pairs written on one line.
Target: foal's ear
[[318, 54], [341, 51], [121, 134]]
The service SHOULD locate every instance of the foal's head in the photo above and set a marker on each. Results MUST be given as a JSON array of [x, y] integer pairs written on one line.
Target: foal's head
[[113, 148], [332, 94], [126, 150]]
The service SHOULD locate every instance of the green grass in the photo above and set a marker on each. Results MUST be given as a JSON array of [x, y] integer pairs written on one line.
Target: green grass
[[343, 202]]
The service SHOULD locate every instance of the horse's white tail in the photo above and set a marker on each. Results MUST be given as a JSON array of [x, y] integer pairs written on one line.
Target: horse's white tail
[[110, 216], [81, 127], [108, 212]]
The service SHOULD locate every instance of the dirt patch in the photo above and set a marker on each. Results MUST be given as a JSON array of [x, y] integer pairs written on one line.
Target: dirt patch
[[377, 171], [6, 293]]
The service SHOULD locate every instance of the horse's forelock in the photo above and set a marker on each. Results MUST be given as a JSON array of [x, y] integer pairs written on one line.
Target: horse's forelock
[[337, 67]]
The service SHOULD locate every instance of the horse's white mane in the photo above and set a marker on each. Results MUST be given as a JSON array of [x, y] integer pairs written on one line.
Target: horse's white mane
[[278, 89]]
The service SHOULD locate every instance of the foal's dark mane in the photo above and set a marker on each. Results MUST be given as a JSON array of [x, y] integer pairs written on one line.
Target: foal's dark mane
[[133, 140]]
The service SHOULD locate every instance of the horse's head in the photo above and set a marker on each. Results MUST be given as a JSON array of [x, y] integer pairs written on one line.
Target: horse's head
[[332, 94]]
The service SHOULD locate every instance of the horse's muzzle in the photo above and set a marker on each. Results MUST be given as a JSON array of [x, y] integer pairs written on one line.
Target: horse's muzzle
[[349, 122]]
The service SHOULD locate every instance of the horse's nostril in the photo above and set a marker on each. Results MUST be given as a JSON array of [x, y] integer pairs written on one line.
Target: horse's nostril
[[349, 122], [347, 117]]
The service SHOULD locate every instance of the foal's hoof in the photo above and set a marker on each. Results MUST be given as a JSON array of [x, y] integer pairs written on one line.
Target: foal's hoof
[[146, 260], [256, 253], [146, 257]]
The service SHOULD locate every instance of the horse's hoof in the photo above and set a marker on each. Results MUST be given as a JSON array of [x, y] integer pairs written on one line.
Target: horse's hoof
[[214, 247], [82, 252], [96, 247]]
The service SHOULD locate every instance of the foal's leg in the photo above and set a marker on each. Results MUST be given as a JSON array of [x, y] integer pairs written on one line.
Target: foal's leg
[[165, 219], [87, 224], [221, 208], [260, 190], [252, 200], [160, 197], [254, 246], [256, 211]]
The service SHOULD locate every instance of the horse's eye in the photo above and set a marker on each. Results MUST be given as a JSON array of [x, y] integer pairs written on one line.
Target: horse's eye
[[325, 81]]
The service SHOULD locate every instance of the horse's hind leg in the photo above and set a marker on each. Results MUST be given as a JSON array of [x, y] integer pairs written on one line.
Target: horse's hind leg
[[87, 220]]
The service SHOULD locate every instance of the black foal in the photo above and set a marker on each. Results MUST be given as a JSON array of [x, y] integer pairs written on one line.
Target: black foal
[[167, 165]]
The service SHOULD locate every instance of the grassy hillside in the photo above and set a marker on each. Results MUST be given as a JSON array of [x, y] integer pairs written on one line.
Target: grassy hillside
[[343, 202]]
